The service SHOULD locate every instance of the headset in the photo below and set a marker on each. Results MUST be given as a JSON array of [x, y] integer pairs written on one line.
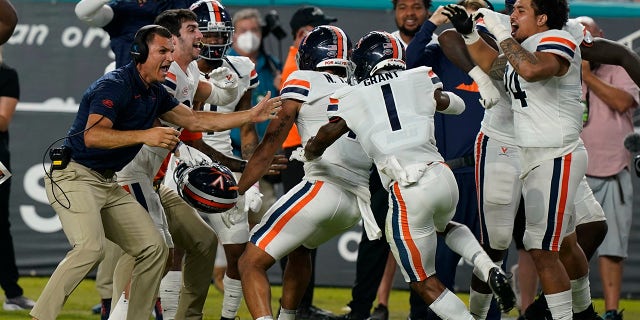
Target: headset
[[140, 47]]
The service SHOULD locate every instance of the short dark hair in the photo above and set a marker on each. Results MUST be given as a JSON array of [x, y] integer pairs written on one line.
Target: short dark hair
[[172, 19], [557, 12], [427, 4]]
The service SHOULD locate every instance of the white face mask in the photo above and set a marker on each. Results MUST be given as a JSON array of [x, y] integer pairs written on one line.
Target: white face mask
[[248, 42]]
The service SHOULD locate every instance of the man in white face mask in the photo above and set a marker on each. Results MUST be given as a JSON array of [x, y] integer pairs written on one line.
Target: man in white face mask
[[247, 40]]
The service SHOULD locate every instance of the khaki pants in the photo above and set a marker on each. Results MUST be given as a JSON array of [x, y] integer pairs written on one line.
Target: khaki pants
[[104, 275], [90, 208], [192, 234]]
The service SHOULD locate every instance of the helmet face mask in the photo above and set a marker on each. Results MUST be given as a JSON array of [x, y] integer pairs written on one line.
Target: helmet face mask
[[324, 47], [207, 188], [214, 21], [377, 50]]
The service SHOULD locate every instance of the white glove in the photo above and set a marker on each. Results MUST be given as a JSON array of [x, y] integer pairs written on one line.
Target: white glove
[[191, 156], [252, 199], [224, 78], [299, 155], [493, 24], [489, 94], [232, 216]]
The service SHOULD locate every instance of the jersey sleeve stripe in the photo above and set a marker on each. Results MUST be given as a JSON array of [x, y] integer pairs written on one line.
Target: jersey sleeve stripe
[[170, 83], [558, 40], [557, 49], [333, 106], [298, 82], [294, 90]]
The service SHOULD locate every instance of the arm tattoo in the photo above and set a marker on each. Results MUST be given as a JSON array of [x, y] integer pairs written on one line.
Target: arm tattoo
[[247, 150], [516, 54], [281, 127], [498, 67]]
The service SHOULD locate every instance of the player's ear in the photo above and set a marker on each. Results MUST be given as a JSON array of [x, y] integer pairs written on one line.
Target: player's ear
[[541, 20]]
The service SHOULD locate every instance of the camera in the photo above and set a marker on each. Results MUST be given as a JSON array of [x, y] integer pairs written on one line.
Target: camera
[[636, 164], [60, 157], [272, 25]]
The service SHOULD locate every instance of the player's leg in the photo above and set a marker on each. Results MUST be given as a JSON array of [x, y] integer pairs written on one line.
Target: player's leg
[[553, 183], [497, 172], [191, 233], [233, 239], [411, 232]]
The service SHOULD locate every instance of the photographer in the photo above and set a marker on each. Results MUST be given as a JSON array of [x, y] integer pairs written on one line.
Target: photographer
[[609, 97]]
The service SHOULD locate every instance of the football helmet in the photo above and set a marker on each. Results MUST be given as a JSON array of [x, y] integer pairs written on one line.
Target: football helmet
[[325, 46], [209, 188], [375, 51], [213, 21]]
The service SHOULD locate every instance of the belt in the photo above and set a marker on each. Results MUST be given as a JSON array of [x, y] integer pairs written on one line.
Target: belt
[[106, 173], [466, 161]]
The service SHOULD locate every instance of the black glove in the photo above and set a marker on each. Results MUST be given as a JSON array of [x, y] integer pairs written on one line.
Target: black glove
[[459, 17]]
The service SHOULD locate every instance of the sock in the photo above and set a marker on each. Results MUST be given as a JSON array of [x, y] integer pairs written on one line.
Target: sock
[[580, 294], [105, 310], [286, 314], [479, 304], [461, 241], [119, 311], [265, 318], [170, 293], [157, 310], [449, 306], [232, 297], [560, 305]]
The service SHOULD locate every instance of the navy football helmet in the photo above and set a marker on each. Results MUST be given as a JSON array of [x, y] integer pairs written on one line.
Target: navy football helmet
[[377, 50], [324, 46], [208, 188], [213, 21]]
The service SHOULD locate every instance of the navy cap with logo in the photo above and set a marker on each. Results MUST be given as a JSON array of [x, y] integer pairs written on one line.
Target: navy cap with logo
[[309, 16]]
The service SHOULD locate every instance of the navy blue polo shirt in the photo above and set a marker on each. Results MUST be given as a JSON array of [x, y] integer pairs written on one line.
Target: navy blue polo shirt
[[121, 96], [455, 134], [128, 17]]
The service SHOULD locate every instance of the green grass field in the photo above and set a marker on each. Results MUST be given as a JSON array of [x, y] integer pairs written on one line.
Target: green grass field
[[334, 299]]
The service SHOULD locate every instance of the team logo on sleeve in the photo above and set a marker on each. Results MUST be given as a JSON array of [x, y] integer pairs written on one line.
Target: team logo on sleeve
[[107, 103]]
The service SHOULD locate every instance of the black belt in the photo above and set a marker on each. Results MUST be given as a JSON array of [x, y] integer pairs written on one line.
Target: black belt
[[466, 161], [106, 173]]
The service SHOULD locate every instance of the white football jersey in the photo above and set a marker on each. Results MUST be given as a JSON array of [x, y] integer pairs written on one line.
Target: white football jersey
[[247, 79], [344, 162], [182, 85], [548, 113], [498, 121], [392, 115]]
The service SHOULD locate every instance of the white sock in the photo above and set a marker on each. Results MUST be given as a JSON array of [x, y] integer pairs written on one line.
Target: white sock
[[119, 311], [463, 242], [449, 307], [170, 293], [479, 304], [580, 294], [232, 297], [286, 314], [265, 318], [560, 305]]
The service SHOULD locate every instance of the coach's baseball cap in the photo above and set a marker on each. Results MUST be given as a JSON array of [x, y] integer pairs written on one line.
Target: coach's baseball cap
[[309, 16]]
